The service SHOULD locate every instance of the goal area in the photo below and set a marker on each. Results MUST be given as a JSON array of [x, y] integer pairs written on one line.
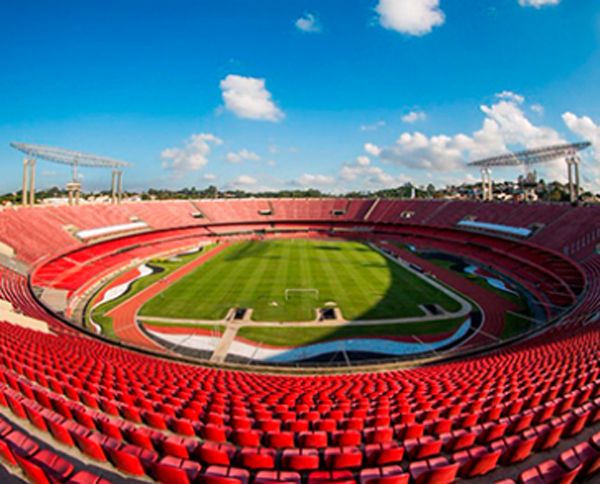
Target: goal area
[[301, 291]]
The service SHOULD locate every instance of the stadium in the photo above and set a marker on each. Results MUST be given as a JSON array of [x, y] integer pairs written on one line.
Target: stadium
[[359, 292], [277, 340]]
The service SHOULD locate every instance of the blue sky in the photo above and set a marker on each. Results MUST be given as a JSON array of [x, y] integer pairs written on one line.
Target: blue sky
[[334, 94]]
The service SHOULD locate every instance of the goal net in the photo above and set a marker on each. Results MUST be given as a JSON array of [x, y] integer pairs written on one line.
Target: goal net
[[290, 292]]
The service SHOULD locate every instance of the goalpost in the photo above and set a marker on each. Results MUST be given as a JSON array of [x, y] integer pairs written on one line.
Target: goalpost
[[292, 290]]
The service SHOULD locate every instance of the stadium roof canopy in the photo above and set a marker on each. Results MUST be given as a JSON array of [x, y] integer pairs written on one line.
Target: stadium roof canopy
[[68, 157], [529, 157]]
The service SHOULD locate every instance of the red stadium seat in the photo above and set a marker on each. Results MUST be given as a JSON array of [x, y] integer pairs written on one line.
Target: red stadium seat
[[476, 461], [384, 475]]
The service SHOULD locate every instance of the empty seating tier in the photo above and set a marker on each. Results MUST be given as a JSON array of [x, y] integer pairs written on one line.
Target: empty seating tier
[[79, 409]]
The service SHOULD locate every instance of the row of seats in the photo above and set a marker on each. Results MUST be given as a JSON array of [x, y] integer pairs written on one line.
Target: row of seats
[[40, 465]]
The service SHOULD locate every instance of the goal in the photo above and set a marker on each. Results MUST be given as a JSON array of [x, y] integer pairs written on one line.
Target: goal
[[301, 291]]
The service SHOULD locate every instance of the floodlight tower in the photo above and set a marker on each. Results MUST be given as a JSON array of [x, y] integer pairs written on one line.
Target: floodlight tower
[[75, 159], [568, 152]]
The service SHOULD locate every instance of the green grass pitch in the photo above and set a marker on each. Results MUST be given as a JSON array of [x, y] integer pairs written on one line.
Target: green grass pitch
[[255, 274]]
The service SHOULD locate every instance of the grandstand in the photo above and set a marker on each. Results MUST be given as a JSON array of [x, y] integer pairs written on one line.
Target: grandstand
[[81, 407]]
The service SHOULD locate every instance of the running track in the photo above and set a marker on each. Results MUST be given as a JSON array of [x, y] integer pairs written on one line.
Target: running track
[[124, 315]]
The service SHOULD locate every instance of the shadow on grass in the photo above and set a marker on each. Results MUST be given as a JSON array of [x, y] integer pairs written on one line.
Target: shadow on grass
[[401, 298], [404, 290], [388, 305], [421, 291]]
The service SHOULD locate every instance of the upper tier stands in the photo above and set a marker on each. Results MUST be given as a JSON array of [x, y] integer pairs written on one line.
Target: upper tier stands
[[51, 224], [576, 234], [574, 231]]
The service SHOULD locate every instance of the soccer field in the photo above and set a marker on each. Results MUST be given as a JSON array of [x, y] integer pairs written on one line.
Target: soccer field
[[253, 274]]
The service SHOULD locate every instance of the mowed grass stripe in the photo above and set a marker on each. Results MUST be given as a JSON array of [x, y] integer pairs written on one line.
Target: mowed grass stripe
[[185, 293], [357, 289], [299, 305], [269, 298], [338, 276], [379, 287], [304, 305], [239, 276], [258, 283], [375, 279], [280, 275], [324, 272], [254, 274], [213, 296]]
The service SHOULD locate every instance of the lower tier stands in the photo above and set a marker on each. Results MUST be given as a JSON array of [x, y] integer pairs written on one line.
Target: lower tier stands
[[74, 269], [14, 288], [149, 417]]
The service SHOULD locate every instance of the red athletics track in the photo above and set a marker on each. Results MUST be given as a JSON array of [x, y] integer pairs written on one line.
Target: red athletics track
[[492, 305], [124, 315]]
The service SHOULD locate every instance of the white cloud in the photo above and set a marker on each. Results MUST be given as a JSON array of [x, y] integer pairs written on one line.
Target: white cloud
[[538, 3], [372, 149], [414, 116], [247, 97], [411, 17], [511, 96], [209, 176], [363, 160], [505, 126], [584, 127], [537, 108], [515, 128], [244, 181], [438, 153], [242, 155], [309, 180], [372, 127], [362, 170], [308, 23], [194, 154]]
